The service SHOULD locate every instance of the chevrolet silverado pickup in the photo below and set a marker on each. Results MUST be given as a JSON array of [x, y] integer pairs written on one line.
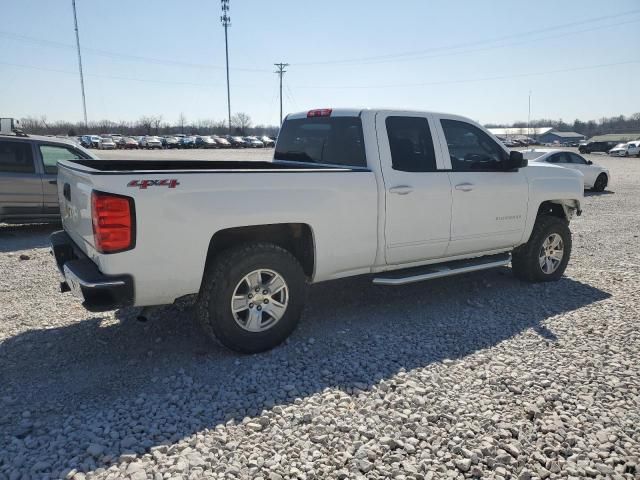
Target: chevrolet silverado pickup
[[402, 196]]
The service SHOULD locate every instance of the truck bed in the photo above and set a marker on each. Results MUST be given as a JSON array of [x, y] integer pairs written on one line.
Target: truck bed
[[127, 166]]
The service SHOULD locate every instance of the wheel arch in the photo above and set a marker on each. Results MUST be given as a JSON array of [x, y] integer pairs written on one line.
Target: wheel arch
[[297, 238]]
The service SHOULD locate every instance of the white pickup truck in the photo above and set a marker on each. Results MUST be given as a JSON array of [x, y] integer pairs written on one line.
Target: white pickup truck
[[403, 196]]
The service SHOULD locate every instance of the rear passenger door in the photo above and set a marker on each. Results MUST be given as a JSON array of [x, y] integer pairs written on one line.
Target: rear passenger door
[[20, 184], [50, 155], [417, 190], [489, 203]]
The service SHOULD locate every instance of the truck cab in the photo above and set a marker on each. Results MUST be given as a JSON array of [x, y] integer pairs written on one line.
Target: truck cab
[[28, 176]]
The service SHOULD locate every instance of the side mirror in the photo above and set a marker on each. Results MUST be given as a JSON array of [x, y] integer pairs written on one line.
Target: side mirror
[[515, 161], [589, 162]]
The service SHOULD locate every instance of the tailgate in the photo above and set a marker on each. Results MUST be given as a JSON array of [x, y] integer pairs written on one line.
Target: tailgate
[[74, 196]]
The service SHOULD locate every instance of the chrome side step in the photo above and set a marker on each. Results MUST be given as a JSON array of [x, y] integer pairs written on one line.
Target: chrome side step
[[429, 272]]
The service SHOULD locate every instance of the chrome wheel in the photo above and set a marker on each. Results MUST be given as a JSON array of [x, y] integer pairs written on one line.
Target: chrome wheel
[[260, 300], [551, 253]]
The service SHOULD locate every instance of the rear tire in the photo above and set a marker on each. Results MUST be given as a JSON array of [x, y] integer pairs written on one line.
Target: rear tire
[[227, 286], [538, 260], [600, 183]]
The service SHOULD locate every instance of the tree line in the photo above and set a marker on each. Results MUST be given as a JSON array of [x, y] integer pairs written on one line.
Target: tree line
[[619, 124], [241, 124]]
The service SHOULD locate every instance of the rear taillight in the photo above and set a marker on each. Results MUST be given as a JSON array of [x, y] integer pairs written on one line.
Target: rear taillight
[[321, 112], [113, 218]]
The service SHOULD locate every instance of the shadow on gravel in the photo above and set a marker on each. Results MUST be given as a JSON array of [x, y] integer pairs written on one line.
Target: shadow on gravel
[[25, 236], [161, 381], [591, 193]]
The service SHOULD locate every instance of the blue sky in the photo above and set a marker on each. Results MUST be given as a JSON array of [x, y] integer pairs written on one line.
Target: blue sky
[[475, 58]]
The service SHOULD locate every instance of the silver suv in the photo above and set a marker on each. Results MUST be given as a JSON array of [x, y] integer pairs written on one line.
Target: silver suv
[[28, 173]]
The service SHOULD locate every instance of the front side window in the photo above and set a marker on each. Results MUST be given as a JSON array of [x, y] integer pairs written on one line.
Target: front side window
[[471, 149], [51, 155], [577, 159], [330, 140], [411, 144], [16, 157]]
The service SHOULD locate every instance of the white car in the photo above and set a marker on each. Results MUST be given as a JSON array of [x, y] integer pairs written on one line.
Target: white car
[[626, 149], [403, 196], [150, 141], [596, 177], [106, 143]]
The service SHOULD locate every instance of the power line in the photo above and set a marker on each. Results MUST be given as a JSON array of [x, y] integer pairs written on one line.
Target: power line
[[469, 80], [226, 23], [281, 71], [125, 56], [84, 100], [418, 53]]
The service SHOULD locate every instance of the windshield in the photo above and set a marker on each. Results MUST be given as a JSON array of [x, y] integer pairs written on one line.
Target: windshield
[[332, 140], [531, 154]]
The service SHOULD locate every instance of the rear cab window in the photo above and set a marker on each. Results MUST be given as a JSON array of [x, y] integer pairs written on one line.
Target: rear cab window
[[322, 140]]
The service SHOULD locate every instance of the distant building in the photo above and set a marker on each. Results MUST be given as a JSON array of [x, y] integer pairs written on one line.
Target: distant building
[[513, 133], [616, 137], [560, 137]]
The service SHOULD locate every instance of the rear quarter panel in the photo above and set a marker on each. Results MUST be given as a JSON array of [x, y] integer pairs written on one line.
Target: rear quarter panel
[[175, 225]]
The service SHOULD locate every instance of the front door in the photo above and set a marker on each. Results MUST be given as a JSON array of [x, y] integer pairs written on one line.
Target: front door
[[489, 204], [417, 192]]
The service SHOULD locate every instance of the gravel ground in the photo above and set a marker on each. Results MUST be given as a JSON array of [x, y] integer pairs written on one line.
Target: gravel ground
[[479, 376]]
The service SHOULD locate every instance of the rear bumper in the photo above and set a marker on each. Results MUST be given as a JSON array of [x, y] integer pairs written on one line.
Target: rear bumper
[[98, 292]]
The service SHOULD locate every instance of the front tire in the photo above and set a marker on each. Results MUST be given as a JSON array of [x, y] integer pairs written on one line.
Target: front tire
[[545, 256], [252, 297], [600, 183]]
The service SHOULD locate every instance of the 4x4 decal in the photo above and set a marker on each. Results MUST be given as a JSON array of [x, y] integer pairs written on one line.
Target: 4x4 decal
[[165, 182]]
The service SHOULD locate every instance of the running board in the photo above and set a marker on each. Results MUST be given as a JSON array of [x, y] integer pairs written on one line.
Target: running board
[[429, 272]]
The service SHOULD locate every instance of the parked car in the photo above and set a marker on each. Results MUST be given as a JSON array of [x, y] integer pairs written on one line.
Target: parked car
[[325, 208], [187, 142], [106, 143], [28, 176], [253, 142], [205, 141], [596, 177], [128, 143], [150, 142], [626, 149], [171, 142], [591, 147], [221, 142], [237, 142], [90, 141], [268, 142]]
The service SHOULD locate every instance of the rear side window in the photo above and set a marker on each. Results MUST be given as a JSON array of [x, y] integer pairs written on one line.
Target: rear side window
[[411, 144], [51, 155], [332, 140], [471, 149], [16, 157]]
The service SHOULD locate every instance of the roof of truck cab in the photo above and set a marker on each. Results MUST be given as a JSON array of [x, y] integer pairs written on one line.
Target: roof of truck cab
[[355, 112], [38, 138]]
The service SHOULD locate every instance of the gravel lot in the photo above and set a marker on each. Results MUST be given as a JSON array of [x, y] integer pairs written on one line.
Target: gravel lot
[[476, 376]]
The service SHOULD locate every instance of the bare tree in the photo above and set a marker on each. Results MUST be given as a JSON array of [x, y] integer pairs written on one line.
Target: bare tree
[[145, 123], [157, 120], [241, 121]]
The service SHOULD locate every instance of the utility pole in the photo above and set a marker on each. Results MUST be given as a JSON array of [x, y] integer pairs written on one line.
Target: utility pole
[[529, 117], [281, 71], [84, 100], [226, 23]]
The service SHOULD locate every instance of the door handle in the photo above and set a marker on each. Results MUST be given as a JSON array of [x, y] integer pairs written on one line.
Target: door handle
[[465, 187], [53, 182], [401, 189]]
